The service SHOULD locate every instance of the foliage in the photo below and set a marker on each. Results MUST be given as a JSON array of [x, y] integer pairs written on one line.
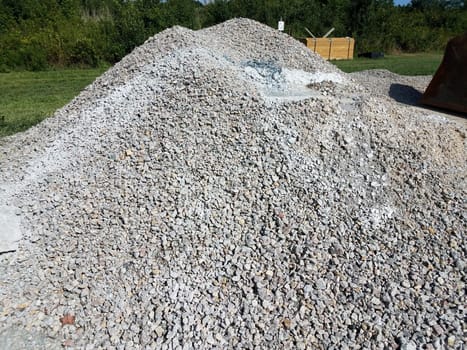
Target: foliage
[[35, 35]]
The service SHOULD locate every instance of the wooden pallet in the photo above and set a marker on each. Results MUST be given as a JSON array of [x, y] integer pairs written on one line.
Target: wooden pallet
[[332, 48]]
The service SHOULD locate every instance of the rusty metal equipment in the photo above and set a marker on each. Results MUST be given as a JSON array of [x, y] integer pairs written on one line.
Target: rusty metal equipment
[[448, 88]]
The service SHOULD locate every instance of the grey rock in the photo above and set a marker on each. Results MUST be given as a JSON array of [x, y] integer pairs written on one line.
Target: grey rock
[[10, 230]]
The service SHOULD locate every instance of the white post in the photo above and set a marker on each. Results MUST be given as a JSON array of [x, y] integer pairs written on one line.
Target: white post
[[280, 25]]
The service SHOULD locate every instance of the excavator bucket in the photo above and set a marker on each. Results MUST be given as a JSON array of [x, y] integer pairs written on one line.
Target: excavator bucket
[[448, 88]]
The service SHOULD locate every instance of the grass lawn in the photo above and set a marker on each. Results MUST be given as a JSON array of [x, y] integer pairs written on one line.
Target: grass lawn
[[405, 64], [26, 98]]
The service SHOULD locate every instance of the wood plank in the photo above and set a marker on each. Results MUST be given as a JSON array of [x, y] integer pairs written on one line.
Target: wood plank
[[332, 48]]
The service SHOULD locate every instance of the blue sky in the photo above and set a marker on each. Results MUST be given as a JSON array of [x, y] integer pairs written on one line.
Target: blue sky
[[401, 2]]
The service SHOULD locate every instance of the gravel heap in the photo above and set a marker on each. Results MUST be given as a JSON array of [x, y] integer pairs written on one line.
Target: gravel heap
[[227, 188]]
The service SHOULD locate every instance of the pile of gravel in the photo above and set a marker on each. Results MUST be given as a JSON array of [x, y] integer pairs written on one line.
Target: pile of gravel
[[227, 188]]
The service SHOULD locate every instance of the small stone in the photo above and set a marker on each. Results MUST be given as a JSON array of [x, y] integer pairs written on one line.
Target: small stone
[[320, 284], [159, 331], [211, 340], [220, 338], [22, 306], [67, 319], [405, 283], [438, 329], [386, 299], [451, 340], [460, 264], [68, 343], [291, 140], [287, 323]]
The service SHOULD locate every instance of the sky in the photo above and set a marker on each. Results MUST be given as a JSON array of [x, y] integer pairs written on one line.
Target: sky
[[401, 2]]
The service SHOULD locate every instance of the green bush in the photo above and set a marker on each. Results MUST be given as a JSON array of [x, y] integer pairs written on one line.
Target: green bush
[[83, 53], [23, 54], [33, 57]]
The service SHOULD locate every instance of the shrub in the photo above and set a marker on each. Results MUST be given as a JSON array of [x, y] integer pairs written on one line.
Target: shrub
[[33, 57], [83, 53]]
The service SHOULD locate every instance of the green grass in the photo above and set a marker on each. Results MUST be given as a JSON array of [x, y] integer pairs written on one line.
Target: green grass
[[26, 98], [404, 64]]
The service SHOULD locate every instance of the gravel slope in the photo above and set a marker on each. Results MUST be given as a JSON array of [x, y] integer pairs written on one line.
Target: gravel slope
[[203, 194]]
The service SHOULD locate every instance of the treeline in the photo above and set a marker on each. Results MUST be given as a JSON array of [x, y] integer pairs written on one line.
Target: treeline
[[35, 34]]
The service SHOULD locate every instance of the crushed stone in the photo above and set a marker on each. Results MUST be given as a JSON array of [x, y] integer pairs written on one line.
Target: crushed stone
[[194, 196]]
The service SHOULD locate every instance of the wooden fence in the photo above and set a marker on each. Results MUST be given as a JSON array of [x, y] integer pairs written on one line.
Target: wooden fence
[[332, 48]]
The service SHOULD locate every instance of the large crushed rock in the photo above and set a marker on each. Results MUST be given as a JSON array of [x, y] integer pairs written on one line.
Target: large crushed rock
[[203, 194]]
